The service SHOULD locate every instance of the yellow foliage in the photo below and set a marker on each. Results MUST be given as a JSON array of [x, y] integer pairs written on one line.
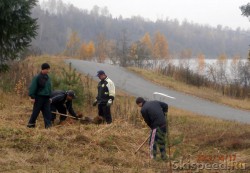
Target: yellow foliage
[[201, 62], [82, 51], [146, 40], [133, 50], [73, 45], [90, 49], [160, 46], [222, 58], [87, 51]]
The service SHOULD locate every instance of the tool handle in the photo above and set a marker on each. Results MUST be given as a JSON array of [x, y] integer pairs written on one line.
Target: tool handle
[[142, 144], [66, 115]]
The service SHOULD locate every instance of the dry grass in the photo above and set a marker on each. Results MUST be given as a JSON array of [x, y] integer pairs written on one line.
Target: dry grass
[[75, 147], [201, 92]]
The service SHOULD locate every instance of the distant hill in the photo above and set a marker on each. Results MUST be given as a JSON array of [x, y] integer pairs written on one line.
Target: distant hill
[[57, 20]]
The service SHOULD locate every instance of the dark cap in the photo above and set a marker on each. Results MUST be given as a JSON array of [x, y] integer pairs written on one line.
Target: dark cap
[[140, 100], [45, 66], [100, 72], [71, 93]]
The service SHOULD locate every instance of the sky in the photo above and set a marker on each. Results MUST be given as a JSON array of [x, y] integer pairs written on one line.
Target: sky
[[204, 12]]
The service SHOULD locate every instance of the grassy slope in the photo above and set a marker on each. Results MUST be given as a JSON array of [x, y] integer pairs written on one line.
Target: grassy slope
[[202, 92], [75, 147]]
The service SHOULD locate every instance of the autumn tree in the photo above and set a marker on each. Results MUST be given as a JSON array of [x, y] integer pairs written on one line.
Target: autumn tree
[[87, 51], [82, 51], [147, 43], [90, 50], [73, 45], [133, 53], [160, 46], [139, 54], [221, 71], [201, 63]]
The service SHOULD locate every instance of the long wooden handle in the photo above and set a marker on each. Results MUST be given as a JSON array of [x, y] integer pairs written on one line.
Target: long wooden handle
[[66, 115], [142, 144]]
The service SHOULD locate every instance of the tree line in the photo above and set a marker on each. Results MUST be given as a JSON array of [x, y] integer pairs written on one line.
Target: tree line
[[58, 20]]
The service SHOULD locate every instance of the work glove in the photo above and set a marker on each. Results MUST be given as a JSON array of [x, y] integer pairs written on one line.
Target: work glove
[[95, 103], [80, 115], [109, 103]]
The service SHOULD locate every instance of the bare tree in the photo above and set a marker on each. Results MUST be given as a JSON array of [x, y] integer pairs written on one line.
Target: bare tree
[[101, 50], [123, 49], [221, 69], [112, 52], [245, 74]]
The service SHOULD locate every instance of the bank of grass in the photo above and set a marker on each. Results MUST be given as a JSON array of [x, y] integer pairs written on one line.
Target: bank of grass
[[201, 92], [76, 147]]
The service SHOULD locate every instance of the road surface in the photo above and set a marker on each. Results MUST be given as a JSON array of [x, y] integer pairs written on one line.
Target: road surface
[[137, 86]]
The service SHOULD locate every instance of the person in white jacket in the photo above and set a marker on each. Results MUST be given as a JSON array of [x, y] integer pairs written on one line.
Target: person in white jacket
[[105, 96]]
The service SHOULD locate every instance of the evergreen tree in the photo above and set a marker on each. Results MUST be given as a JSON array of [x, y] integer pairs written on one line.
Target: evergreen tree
[[17, 28], [69, 79], [245, 9]]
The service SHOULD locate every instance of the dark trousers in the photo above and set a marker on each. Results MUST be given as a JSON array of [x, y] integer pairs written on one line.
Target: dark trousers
[[159, 142], [104, 111], [61, 109], [42, 103]]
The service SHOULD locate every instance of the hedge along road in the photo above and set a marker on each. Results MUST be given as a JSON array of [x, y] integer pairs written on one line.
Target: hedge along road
[[137, 86]]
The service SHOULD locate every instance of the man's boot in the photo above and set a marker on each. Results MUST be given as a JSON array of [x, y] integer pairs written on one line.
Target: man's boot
[[163, 156], [31, 125]]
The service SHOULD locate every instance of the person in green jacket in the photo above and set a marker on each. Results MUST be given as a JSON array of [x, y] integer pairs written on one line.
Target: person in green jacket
[[39, 92]]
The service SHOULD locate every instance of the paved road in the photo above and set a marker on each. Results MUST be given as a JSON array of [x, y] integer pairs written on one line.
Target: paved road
[[137, 86]]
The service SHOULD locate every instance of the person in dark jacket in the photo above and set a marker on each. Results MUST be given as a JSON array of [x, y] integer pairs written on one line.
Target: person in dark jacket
[[153, 113], [61, 101], [39, 92], [105, 96]]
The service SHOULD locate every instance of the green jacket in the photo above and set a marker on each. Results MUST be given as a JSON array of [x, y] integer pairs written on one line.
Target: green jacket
[[40, 86]]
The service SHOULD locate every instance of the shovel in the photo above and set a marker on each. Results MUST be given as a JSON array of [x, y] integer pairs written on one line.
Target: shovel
[[68, 116], [85, 120]]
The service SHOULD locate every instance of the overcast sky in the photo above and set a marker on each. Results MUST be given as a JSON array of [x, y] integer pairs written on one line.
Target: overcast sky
[[210, 12]]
